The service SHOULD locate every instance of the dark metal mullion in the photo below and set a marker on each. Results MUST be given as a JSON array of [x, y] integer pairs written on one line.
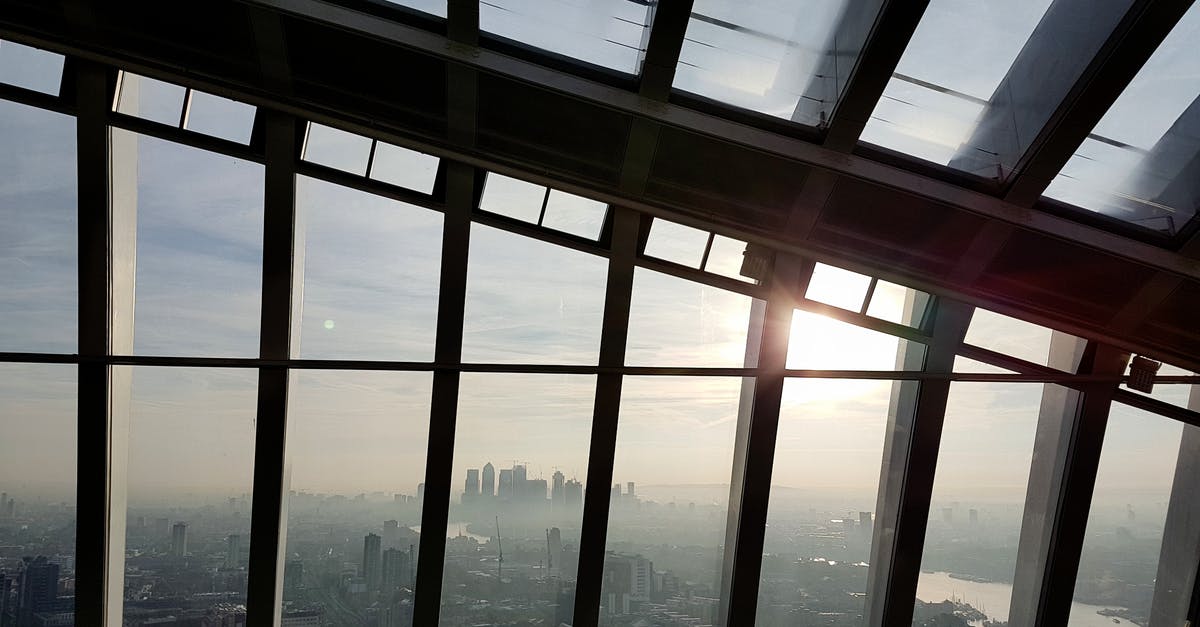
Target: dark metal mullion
[[602, 450], [707, 249], [170, 133], [371, 158], [186, 109], [542, 211], [92, 585], [867, 299], [268, 528]]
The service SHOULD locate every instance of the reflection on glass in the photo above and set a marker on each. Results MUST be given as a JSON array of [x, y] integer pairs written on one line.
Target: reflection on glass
[[608, 33], [1174, 393], [823, 494], [406, 168], [38, 302], [151, 99], [674, 242], [30, 68], [947, 76], [531, 302], [337, 149], [838, 287], [37, 489], [1009, 336], [220, 117], [357, 442], [574, 214], [666, 525], [512, 197], [725, 258], [899, 304], [1136, 164], [975, 514], [199, 250], [191, 467], [1129, 509], [821, 343], [371, 269], [675, 322], [770, 56], [520, 455]]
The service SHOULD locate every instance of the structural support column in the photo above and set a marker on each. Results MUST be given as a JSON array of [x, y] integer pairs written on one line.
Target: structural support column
[[910, 452], [1179, 557]]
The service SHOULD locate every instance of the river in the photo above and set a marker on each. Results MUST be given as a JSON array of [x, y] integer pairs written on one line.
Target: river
[[993, 598]]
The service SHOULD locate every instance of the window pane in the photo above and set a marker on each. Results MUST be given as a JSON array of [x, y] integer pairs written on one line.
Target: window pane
[[823, 494], [38, 244], [675, 242], [191, 471], [199, 250], [978, 499], [725, 258], [899, 304], [432, 7], [533, 431], [531, 302], [31, 68], [150, 99], [820, 343], [1129, 509], [675, 322], [406, 168], [337, 149], [370, 268], [37, 498], [666, 527], [573, 214], [357, 443], [838, 287], [1016, 338], [1176, 394], [963, 364], [220, 117], [512, 197], [608, 33]]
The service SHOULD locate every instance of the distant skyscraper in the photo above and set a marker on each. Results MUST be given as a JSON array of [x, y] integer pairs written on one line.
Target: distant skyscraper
[[5, 590], [391, 533], [395, 569], [555, 547], [505, 488], [973, 517], [3, 507], [520, 476], [489, 480], [233, 551], [179, 539], [629, 491], [161, 527], [557, 492], [10, 510], [420, 491], [866, 520], [293, 575], [371, 567], [37, 588], [573, 495], [471, 490], [535, 490], [616, 494]]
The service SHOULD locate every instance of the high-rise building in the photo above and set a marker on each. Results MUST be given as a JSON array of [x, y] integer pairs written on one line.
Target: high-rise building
[[573, 495], [420, 492], [554, 547], [627, 578], [616, 494], [629, 493], [471, 489], [973, 517], [557, 494], [3, 505], [371, 567], [489, 480], [519, 477], [179, 539], [10, 509], [162, 526], [505, 488], [535, 490], [233, 551], [395, 569], [37, 588], [391, 533], [293, 575], [5, 591]]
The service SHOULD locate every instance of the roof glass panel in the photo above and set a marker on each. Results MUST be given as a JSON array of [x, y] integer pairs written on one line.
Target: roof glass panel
[[764, 55], [151, 99], [1010, 336], [899, 304], [432, 7], [220, 117], [1138, 165], [574, 214], [959, 54], [403, 167], [337, 149], [838, 287], [677, 243], [608, 33], [512, 197], [725, 257], [31, 68]]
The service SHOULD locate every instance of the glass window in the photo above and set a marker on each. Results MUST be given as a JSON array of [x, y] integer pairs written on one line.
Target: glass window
[[769, 56], [357, 442], [965, 365], [531, 302], [1127, 167], [677, 243], [574, 214], [190, 478], [899, 304], [151, 99], [30, 68], [38, 242], [337, 149], [199, 250], [37, 496], [1176, 394], [821, 343], [975, 516], [1009, 336], [725, 258], [948, 74], [1119, 562], [432, 7], [838, 287], [403, 167], [371, 271], [220, 117], [608, 33], [513, 198], [666, 526], [530, 434], [824, 488], [675, 322]]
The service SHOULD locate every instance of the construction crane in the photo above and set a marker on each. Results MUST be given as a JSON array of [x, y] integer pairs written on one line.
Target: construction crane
[[500, 548]]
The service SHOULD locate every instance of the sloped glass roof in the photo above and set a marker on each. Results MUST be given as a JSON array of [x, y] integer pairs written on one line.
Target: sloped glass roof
[[608, 33]]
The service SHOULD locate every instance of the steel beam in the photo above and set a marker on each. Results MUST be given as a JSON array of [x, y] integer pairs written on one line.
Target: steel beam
[[668, 27]]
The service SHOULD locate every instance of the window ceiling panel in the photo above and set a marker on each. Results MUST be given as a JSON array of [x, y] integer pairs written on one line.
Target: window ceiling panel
[[608, 33], [958, 56], [30, 68], [769, 56], [432, 7], [151, 99], [1139, 163]]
